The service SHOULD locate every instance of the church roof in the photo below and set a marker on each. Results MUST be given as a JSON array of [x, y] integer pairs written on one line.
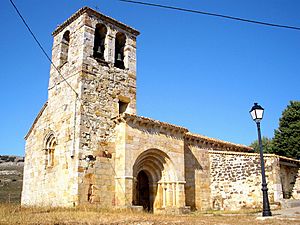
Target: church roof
[[197, 138], [36, 119], [98, 15], [145, 120], [216, 142]]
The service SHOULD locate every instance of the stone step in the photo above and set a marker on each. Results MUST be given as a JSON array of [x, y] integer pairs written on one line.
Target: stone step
[[290, 203], [294, 203], [275, 206]]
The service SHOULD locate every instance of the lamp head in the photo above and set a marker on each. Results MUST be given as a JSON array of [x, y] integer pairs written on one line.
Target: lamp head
[[257, 112]]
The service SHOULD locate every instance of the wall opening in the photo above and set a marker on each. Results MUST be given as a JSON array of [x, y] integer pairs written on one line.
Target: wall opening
[[122, 106], [65, 47], [288, 176], [119, 50], [99, 41], [89, 194], [143, 192], [50, 145]]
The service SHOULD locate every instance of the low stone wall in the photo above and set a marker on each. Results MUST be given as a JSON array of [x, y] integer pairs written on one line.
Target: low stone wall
[[236, 180]]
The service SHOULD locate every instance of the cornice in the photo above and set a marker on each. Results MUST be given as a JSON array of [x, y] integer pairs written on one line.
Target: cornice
[[147, 122], [93, 12]]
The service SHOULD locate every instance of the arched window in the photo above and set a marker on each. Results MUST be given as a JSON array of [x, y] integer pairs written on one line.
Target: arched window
[[65, 47], [119, 50], [50, 144], [99, 41]]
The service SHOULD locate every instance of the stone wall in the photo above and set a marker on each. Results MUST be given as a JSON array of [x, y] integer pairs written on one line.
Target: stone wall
[[43, 184], [97, 186], [236, 180]]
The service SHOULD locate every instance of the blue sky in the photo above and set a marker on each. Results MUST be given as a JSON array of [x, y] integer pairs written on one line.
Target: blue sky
[[200, 72]]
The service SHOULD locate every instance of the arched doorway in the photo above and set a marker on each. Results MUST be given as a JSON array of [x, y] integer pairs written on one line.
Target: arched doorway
[[155, 181], [143, 192]]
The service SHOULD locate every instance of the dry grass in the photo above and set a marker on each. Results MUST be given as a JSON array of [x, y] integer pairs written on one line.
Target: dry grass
[[14, 214], [11, 184]]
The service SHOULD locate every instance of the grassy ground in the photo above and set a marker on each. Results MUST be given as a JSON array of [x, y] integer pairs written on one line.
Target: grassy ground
[[14, 214], [10, 183]]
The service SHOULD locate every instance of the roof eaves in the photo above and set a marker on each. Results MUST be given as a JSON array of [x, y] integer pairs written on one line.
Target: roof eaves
[[217, 141]]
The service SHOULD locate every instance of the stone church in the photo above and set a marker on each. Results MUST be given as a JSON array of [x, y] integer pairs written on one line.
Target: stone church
[[87, 145]]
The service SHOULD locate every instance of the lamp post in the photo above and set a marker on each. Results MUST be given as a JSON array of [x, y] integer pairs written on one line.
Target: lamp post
[[257, 113]]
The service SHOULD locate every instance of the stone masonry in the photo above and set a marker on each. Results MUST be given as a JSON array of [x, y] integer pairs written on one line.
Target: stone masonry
[[88, 146], [236, 176]]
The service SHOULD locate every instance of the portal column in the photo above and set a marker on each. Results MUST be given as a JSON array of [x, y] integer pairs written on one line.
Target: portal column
[[169, 196], [174, 194], [158, 201], [153, 189], [134, 191], [164, 189], [180, 194]]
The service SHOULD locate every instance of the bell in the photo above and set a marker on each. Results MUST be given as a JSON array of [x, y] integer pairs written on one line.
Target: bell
[[119, 57], [99, 50]]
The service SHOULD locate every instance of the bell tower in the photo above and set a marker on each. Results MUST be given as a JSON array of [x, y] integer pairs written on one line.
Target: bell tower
[[96, 59], [92, 80]]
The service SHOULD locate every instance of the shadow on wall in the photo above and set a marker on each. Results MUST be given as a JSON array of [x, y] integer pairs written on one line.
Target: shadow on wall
[[191, 166], [288, 175]]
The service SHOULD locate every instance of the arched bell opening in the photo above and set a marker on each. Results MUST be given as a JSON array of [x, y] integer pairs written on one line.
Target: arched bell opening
[[119, 50], [99, 41], [65, 48]]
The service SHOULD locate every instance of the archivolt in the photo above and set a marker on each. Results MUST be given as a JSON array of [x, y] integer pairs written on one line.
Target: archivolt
[[50, 141], [156, 164]]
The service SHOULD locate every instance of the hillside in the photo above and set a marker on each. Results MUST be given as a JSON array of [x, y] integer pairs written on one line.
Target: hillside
[[11, 177]]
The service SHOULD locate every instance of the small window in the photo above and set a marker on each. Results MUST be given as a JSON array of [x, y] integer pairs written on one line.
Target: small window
[[119, 50], [122, 106], [50, 145], [99, 41], [65, 47]]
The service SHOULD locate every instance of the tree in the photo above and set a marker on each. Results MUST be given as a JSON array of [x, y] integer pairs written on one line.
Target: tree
[[267, 144], [286, 140]]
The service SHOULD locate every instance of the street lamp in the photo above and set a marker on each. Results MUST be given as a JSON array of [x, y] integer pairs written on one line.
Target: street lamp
[[257, 113]]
